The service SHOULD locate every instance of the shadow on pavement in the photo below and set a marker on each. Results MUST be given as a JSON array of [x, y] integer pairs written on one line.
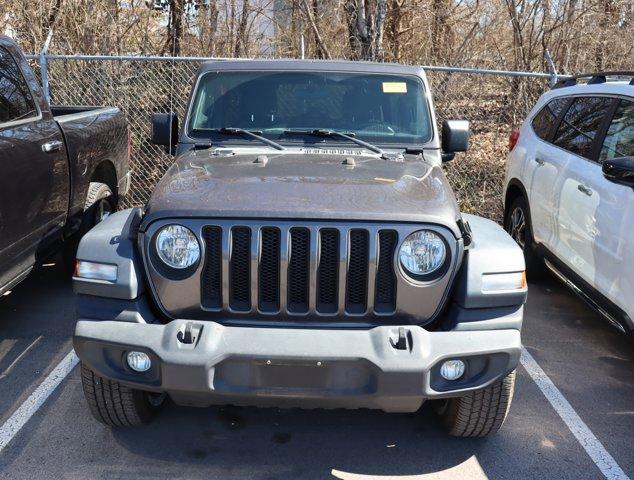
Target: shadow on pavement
[[36, 324], [246, 442]]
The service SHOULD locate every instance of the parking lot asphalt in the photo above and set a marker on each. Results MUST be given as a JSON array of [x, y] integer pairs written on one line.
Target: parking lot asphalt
[[587, 360]]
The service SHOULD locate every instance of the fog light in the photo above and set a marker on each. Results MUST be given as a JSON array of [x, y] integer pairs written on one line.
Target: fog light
[[139, 361], [452, 369]]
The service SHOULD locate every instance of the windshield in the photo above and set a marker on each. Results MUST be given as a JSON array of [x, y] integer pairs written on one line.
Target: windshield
[[381, 109]]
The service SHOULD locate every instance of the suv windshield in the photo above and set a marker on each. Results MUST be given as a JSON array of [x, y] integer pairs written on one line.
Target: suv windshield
[[381, 109]]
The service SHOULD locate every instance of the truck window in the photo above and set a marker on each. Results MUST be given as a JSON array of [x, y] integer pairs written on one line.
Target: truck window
[[383, 109], [619, 141], [581, 123], [16, 101]]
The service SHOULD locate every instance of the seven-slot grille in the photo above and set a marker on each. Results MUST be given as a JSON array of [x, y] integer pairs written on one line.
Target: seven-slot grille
[[299, 270]]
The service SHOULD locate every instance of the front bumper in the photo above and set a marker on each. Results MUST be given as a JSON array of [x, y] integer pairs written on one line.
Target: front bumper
[[288, 367]]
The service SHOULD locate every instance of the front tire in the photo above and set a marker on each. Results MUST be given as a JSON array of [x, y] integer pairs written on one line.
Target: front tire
[[116, 405], [480, 413], [518, 225]]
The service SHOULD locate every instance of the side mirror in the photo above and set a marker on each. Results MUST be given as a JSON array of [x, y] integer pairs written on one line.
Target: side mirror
[[619, 170], [455, 138], [165, 130]]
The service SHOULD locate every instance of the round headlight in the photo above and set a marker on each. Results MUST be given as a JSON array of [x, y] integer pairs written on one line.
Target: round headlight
[[177, 246], [422, 252]]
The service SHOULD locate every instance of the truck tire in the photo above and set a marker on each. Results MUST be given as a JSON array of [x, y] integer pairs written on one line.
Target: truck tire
[[116, 405], [99, 204], [518, 225], [479, 413]]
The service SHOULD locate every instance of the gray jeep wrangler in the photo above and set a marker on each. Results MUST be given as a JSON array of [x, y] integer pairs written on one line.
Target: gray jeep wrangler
[[304, 250]]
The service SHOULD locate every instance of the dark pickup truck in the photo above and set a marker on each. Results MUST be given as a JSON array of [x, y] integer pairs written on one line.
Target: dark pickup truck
[[62, 169]]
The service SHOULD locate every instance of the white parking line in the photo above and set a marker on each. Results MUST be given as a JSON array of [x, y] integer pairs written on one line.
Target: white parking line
[[593, 447], [12, 426]]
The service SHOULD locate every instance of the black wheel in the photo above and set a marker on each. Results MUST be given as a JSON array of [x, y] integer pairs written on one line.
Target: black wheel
[[517, 224], [100, 204], [116, 405], [479, 413]]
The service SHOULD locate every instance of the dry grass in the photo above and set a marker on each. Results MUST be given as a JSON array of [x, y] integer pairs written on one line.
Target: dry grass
[[477, 177]]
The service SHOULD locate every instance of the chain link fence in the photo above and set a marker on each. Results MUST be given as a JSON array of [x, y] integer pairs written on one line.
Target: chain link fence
[[494, 102]]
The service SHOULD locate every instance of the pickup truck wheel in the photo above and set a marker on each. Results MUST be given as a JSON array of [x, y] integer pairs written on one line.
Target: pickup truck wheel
[[99, 204], [479, 413], [116, 405], [517, 224]]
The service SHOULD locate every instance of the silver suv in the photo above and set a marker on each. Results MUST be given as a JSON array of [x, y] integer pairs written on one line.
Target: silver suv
[[570, 190]]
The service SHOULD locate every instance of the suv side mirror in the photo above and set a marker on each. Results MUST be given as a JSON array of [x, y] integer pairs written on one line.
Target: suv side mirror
[[165, 130], [455, 138], [619, 170]]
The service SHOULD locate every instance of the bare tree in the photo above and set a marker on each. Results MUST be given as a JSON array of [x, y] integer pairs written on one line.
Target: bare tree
[[399, 27], [212, 22], [607, 11], [366, 22], [581, 35], [441, 41], [174, 28], [241, 45], [321, 46], [50, 18]]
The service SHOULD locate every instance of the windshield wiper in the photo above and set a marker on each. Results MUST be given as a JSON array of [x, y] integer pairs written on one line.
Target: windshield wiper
[[246, 133], [333, 133]]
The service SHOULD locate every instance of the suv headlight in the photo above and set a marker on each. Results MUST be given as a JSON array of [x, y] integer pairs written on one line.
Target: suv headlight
[[177, 246], [422, 253]]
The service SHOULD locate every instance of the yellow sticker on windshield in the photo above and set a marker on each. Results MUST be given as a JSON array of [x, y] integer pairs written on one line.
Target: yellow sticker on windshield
[[394, 87]]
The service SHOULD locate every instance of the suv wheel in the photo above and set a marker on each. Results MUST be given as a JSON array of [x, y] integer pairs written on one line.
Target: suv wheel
[[517, 224], [479, 413], [116, 405]]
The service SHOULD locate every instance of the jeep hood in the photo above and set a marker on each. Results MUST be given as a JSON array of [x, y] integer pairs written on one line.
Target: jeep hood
[[304, 185]]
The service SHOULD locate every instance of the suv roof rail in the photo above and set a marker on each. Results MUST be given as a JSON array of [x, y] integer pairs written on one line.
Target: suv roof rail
[[594, 78]]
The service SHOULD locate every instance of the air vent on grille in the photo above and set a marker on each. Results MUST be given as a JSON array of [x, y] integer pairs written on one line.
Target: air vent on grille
[[299, 270], [269, 270], [328, 271], [385, 301], [212, 273], [239, 269], [357, 279]]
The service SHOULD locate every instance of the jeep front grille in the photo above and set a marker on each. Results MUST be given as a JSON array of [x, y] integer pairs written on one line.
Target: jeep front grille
[[334, 272], [300, 270]]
